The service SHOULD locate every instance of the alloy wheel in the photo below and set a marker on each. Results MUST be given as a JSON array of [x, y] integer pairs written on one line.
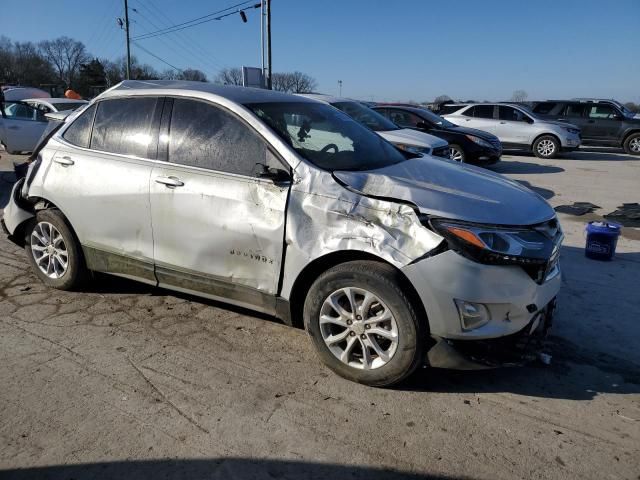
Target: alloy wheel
[[455, 154], [49, 250], [634, 145], [546, 147], [358, 328]]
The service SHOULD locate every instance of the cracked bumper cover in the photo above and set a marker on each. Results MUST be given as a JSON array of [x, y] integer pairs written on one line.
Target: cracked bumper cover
[[14, 214], [514, 300]]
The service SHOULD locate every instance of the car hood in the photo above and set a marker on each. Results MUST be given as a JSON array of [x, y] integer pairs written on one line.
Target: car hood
[[473, 131], [412, 137], [448, 189]]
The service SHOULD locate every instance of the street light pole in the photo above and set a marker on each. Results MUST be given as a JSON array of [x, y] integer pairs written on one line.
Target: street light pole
[[126, 29]]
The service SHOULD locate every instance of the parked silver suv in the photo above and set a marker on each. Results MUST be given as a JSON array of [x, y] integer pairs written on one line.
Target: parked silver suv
[[287, 206], [519, 128]]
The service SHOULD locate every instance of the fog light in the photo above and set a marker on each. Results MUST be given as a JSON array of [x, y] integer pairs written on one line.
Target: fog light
[[472, 315]]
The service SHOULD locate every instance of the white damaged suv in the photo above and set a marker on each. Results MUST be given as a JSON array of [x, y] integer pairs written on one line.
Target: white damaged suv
[[286, 205]]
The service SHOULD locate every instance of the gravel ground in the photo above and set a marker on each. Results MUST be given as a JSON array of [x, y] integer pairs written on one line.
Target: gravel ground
[[123, 380]]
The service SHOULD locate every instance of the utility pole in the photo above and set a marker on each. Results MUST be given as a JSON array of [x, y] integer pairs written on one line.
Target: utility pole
[[269, 71], [340, 87], [126, 29], [262, 39]]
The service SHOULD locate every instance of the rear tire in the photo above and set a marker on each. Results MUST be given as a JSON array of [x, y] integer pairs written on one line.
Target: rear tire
[[456, 153], [378, 344], [53, 251], [547, 146], [632, 144]]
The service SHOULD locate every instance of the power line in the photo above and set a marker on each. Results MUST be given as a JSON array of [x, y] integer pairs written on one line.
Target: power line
[[156, 57], [190, 23], [200, 59]]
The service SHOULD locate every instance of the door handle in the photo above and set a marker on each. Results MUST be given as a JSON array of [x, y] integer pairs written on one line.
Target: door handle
[[64, 161], [170, 182], [503, 123]]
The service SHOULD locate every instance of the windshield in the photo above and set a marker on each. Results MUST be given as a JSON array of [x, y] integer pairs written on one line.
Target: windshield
[[366, 116], [436, 119], [327, 137]]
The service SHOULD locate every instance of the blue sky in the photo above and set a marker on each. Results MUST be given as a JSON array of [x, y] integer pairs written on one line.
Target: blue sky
[[382, 50]]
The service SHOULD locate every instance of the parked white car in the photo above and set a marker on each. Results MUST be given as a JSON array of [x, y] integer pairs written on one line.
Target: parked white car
[[50, 105], [404, 138], [24, 122], [518, 128]]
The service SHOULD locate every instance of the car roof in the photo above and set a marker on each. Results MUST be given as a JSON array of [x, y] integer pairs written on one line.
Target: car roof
[[325, 98], [233, 93]]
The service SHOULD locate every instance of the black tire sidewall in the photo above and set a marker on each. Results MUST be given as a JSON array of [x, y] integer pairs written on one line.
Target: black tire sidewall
[[76, 269], [546, 137], [380, 282]]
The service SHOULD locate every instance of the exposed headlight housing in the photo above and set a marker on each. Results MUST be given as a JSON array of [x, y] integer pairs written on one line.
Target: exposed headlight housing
[[533, 246], [413, 148], [575, 131], [479, 141]]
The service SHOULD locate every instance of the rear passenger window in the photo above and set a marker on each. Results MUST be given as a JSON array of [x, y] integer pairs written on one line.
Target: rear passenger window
[[202, 135], [480, 111], [575, 110], [124, 126], [601, 111], [79, 132], [544, 107]]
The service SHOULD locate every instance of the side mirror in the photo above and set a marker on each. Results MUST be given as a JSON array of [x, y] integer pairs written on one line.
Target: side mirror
[[277, 175]]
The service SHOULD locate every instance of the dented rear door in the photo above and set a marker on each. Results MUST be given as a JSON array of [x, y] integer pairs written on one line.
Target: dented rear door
[[218, 229]]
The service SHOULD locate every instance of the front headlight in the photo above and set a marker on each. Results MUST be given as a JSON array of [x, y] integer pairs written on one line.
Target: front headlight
[[575, 131], [479, 141], [501, 245], [413, 149]]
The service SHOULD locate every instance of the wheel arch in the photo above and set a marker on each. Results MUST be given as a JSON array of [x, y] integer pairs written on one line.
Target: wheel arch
[[628, 133], [37, 204], [318, 266]]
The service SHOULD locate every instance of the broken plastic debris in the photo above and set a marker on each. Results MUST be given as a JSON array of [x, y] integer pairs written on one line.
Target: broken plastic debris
[[578, 208], [545, 358]]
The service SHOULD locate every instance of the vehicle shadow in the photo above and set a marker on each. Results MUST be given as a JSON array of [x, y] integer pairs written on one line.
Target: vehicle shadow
[[602, 154], [213, 469], [543, 192], [516, 166]]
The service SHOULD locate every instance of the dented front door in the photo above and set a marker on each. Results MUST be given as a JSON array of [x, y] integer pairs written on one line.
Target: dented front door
[[218, 229]]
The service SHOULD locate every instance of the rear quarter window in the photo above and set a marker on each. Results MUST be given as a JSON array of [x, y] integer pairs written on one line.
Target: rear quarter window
[[79, 132]]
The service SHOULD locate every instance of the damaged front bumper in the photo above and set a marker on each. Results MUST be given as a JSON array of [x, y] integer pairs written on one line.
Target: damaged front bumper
[[516, 306], [513, 350]]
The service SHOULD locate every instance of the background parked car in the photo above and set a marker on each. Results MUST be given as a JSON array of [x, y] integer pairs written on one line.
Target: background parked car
[[49, 105], [21, 127], [466, 145], [403, 138], [519, 128], [604, 123]]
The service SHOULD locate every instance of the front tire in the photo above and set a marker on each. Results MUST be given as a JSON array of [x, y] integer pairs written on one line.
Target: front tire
[[53, 251], [456, 153], [363, 325], [632, 144], [546, 146]]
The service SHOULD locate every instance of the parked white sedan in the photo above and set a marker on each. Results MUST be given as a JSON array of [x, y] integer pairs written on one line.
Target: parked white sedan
[[24, 122]]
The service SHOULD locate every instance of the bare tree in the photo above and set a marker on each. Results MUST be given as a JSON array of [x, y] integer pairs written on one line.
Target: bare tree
[[170, 74], [229, 76], [303, 83], [519, 96], [65, 55], [193, 74], [282, 82], [442, 99]]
